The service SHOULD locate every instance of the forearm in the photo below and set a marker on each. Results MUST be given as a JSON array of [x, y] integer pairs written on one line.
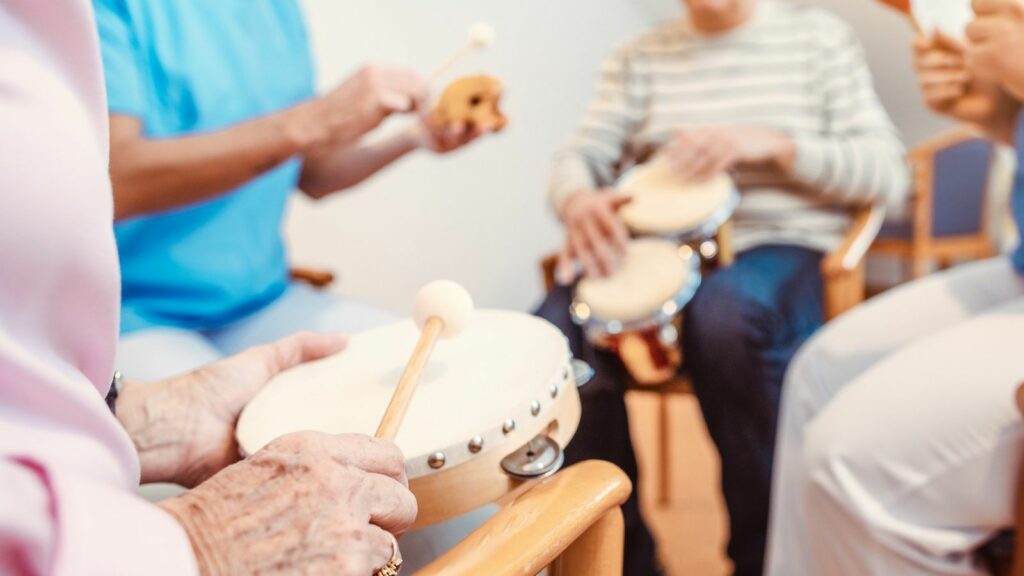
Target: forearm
[[151, 175], [574, 170], [851, 169], [157, 422], [331, 168]]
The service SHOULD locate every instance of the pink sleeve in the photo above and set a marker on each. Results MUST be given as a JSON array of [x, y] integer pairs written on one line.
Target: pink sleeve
[[51, 523]]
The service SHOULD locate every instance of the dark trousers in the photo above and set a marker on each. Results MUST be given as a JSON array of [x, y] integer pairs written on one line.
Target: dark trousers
[[740, 332]]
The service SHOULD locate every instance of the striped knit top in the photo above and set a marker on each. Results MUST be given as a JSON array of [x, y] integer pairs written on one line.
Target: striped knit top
[[791, 67]]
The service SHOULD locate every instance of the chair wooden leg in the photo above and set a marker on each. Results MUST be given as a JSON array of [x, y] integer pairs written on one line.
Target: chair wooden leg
[[664, 494], [1018, 539], [598, 552], [918, 267]]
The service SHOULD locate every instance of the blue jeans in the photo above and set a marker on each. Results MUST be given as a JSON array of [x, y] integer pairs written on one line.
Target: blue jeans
[[739, 333]]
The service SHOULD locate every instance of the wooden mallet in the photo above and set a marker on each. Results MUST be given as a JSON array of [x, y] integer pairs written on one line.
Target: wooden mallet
[[442, 310], [480, 36]]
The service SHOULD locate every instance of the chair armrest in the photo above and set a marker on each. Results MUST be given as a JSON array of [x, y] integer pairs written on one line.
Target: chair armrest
[[313, 277], [537, 526], [866, 225]]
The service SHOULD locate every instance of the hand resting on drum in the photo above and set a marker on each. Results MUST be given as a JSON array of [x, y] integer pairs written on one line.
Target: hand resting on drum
[[308, 502], [699, 154], [596, 236], [184, 427]]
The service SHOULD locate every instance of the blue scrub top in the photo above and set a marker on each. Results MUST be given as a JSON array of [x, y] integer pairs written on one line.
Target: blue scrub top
[[187, 67], [1017, 201]]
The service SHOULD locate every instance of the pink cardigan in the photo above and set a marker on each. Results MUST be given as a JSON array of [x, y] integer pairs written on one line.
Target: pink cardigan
[[68, 472]]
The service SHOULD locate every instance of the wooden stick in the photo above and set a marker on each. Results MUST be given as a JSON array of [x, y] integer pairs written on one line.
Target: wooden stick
[[466, 49], [402, 397]]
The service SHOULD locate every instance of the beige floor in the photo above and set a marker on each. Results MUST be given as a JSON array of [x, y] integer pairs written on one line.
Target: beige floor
[[691, 529]]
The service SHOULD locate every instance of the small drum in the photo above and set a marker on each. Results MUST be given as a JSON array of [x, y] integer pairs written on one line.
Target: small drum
[[664, 205], [635, 311], [495, 406]]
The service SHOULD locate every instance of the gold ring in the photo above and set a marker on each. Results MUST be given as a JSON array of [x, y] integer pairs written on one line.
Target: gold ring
[[394, 565]]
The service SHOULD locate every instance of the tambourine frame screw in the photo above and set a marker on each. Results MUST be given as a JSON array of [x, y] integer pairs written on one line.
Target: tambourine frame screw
[[553, 389], [436, 460], [508, 427], [476, 444], [535, 407]]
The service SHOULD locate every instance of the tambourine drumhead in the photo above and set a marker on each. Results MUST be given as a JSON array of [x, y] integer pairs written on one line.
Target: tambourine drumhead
[[494, 370], [665, 204], [654, 272]]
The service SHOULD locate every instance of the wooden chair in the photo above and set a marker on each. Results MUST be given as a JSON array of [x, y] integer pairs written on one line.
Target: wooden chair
[[313, 276], [570, 523], [947, 219], [843, 274]]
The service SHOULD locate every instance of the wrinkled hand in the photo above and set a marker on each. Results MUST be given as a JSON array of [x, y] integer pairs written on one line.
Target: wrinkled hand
[[996, 49], [596, 236], [308, 503], [949, 86], [700, 153], [358, 105], [184, 427]]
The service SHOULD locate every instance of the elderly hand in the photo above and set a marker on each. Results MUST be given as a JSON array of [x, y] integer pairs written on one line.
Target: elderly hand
[[184, 427], [701, 153], [949, 87], [308, 503], [996, 48], [596, 235]]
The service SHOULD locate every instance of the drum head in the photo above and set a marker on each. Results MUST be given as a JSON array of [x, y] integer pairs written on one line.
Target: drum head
[[502, 361], [654, 272], [664, 204]]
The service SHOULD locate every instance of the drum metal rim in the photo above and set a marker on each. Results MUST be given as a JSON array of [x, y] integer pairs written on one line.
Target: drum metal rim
[[596, 326], [531, 413]]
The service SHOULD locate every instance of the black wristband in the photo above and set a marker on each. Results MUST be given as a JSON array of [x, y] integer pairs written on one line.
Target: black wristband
[[115, 388]]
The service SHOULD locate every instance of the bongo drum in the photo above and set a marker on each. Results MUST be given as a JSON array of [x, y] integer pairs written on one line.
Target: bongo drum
[[665, 205], [635, 311], [495, 406]]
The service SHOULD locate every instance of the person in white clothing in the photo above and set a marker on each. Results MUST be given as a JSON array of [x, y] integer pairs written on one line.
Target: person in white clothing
[[900, 443]]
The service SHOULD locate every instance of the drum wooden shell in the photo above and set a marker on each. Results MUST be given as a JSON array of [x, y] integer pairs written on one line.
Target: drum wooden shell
[[503, 382]]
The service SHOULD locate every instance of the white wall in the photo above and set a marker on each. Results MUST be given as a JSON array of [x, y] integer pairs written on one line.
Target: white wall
[[480, 217]]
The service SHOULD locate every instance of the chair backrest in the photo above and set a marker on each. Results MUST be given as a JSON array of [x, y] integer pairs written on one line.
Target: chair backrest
[[959, 187]]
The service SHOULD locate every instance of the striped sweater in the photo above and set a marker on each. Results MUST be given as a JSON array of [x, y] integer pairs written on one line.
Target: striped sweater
[[793, 68]]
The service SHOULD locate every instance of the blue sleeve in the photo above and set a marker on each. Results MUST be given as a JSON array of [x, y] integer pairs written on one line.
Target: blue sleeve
[[121, 54]]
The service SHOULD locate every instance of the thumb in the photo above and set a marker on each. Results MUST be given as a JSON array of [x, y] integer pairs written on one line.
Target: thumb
[[618, 200], [297, 349]]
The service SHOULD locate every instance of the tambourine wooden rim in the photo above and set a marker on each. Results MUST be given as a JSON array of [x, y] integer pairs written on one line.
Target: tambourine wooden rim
[[598, 327], [492, 440]]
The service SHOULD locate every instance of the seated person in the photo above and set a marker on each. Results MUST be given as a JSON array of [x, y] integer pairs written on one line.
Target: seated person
[[779, 95], [899, 442], [68, 466], [213, 123]]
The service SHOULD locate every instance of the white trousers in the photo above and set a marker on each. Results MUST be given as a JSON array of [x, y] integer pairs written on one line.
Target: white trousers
[[900, 442], [162, 352]]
